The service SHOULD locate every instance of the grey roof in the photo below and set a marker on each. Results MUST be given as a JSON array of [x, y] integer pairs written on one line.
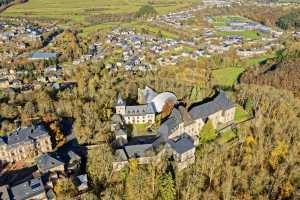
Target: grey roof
[[73, 156], [23, 135], [121, 132], [28, 189], [171, 124], [140, 110], [83, 178], [182, 145], [43, 55], [121, 155], [120, 101], [47, 162], [149, 94], [136, 151], [221, 102]]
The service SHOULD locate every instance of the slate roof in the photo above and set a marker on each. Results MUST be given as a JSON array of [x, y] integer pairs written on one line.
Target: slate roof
[[171, 124], [42, 55], [28, 189], [149, 94], [121, 155], [221, 102], [120, 101], [24, 135], [139, 110], [136, 151], [182, 145], [48, 161]]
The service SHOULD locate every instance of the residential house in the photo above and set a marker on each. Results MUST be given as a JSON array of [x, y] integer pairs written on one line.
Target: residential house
[[24, 143]]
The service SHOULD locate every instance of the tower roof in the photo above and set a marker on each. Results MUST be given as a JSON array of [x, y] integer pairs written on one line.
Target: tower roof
[[120, 101]]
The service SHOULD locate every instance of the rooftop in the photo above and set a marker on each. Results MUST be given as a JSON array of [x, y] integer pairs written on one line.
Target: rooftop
[[42, 55], [28, 189], [48, 161], [22, 135], [221, 102], [182, 145], [140, 110]]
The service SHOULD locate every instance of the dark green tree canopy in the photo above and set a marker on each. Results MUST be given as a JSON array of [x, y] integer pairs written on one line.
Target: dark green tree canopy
[[146, 11]]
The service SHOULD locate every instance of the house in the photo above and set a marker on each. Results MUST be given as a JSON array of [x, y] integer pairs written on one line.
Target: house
[[145, 113], [53, 162], [183, 151], [50, 163], [139, 114], [121, 160], [32, 189], [220, 111], [24, 143]]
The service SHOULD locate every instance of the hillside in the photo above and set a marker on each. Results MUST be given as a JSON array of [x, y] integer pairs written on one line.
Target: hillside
[[79, 10], [282, 75]]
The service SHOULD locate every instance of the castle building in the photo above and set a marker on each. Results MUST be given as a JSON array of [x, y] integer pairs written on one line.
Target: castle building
[[24, 143], [177, 136]]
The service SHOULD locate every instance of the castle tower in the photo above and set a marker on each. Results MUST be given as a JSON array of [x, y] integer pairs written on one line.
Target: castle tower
[[120, 106]]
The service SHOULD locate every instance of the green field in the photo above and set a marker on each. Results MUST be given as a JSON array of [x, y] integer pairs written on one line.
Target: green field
[[226, 137], [240, 114], [227, 76], [77, 9], [245, 34]]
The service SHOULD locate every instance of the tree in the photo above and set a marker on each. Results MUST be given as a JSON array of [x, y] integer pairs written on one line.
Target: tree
[[99, 165], [208, 132], [64, 187], [166, 187], [146, 11]]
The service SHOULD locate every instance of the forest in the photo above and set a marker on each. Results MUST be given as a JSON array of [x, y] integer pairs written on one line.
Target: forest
[[282, 72]]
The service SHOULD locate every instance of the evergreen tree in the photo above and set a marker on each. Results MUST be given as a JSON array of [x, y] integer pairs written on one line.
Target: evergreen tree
[[166, 187]]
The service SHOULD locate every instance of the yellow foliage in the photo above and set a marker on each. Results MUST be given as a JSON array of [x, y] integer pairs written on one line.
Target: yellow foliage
[[278, 153], [250, 140], [133, 165], [286, 190]]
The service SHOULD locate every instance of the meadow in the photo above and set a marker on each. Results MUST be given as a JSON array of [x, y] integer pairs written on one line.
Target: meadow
[[77, 10], [227, 76]]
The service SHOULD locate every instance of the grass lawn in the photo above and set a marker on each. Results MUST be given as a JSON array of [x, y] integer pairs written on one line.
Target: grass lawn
[[245, 34], [139, 128], [228, 18], [240, 114], [227, 76], [226, 137], [77, 9]]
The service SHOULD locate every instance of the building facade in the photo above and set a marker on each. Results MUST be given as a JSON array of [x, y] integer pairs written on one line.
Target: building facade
[[24, 143]]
